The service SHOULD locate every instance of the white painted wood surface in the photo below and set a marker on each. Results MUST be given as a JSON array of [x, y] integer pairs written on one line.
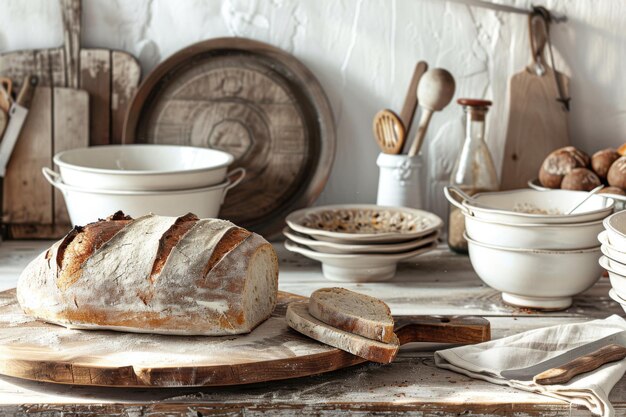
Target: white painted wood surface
[[437, 283]]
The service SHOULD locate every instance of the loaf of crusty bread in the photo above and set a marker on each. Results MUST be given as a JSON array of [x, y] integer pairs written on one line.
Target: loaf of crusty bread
[[353, 312], [154, 274]]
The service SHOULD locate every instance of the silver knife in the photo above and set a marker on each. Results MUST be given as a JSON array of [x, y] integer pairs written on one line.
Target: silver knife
[[585, 358], [17, 116]]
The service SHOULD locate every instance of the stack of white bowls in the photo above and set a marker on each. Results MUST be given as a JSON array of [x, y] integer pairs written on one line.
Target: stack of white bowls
[[613, 241], [521, 243], [138, 179], [361, 243]]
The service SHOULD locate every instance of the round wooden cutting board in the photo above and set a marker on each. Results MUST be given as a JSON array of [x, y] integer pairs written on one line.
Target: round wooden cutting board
[[254, 101], [35, 350]]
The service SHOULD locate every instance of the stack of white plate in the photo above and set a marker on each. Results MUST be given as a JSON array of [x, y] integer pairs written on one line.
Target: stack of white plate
[[521, 243], [361, 243], [139, 179], [613, 241]]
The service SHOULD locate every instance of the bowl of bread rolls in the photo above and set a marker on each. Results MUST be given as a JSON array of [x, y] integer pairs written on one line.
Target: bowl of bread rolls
[[527, 244], [569, 168]]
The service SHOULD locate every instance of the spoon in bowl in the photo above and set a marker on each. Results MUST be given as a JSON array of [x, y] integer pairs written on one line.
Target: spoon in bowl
[[587, 197]]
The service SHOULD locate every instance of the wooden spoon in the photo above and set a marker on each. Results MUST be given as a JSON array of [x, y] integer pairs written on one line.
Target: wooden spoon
[[389, 132], [434, 92]]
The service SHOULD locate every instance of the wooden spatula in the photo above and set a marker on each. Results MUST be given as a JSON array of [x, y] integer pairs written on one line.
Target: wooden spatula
[[409, 329], [537, 122], [389, 131]]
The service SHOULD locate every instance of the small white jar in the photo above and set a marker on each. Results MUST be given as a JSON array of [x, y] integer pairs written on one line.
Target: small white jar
[[399, 183]]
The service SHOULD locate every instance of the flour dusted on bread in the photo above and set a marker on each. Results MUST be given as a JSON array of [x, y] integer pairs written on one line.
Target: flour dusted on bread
[[154, 274], [353, 312]]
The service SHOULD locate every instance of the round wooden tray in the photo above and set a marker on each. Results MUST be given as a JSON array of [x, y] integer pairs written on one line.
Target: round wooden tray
[[34, 350], [252, 100]]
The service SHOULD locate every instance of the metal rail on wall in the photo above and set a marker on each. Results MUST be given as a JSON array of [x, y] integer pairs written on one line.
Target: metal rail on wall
[[511, 9]]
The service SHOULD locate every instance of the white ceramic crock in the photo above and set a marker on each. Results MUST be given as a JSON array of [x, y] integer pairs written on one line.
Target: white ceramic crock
[[88, 205], [399, 180], [143, 167], [505, 206], [563, 236], [542, 279]]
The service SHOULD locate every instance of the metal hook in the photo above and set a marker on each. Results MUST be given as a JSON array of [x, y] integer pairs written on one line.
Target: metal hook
[[538, 33], [538, 39]]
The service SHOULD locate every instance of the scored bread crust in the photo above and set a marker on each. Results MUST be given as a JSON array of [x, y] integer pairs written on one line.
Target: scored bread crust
[[346, 310], [123, 283]]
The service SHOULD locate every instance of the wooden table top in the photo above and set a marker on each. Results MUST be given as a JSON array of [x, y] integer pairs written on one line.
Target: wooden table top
[[436, 283]]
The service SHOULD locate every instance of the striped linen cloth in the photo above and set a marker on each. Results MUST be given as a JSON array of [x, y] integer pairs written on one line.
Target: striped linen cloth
[[486, 361]]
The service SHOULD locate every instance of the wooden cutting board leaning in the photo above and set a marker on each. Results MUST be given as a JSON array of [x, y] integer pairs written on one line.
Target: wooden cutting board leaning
[[81, 100], [538, 112], [39, 351]]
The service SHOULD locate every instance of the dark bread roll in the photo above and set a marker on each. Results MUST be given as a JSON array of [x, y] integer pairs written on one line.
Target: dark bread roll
[[617, 173], [601, 162], [154, 274], [580, 179], [560, 163], [612, 190]]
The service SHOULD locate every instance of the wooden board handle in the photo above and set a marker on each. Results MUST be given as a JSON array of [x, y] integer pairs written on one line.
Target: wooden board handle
[[410, 101], [582, 364], [27, 91], [442, 329], [71, 14]]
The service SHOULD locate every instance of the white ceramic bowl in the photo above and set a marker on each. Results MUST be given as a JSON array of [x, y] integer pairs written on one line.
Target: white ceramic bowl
[[611, 251], [613, 294], [363, 223], [543, 279], [143, 167], [358, 268], [348, 248], [620, 200], [560, 236], [617, 274], [88, 205], [514, 206], [615, 226]]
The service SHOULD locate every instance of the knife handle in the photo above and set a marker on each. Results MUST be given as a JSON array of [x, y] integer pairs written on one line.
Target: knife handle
[[442, 329], [582, 364], [27, 91]]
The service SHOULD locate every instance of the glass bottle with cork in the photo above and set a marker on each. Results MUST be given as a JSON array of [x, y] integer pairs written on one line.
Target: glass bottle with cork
[[474, 171]]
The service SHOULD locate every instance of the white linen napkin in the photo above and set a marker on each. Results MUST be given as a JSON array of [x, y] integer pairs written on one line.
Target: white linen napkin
[[486, 361]]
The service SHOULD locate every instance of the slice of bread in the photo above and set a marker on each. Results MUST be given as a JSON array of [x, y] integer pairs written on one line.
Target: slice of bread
[[299, 319], [353, 312]]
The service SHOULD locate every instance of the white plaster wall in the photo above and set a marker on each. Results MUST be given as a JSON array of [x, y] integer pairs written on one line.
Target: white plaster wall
[[363, 52]]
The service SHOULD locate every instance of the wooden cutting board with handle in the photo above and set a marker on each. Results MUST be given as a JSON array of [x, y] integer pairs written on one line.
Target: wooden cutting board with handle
[[110, 77], [38, 351], [81, 100], [537, 122]]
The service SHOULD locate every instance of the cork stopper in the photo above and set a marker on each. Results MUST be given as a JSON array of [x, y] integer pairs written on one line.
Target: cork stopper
[[476, 109]]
